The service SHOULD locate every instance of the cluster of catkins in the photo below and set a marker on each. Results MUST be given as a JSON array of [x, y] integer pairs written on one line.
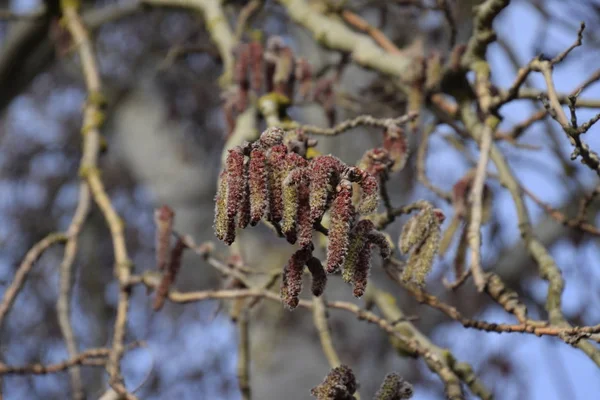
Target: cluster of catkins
[[340, 384], [420, 239], [269, 180], [273, 69]]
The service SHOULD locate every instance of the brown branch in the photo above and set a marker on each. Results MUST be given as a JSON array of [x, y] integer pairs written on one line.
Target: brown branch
[[243, 366], [558, 216], [89, 170], [362, 25], [363, 120], [63, 306], [475, 216], [23, 270], [320, 321], [94, 357]]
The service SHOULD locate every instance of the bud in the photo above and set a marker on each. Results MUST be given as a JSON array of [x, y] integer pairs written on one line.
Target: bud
[[170, 274], [163, 218]]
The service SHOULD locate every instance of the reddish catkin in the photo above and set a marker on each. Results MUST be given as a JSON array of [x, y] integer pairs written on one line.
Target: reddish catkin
[[276, 172], [163, 218], [342, 215], [235, 190], [257, 178], [361, 270], [244, 211], [241, 70], [235, 181], [271, 55], [220, 223], [324, 173], [291, 284], [170, 274], [303, 221], [303, 75], [319, 277], [283, 80], [369, 199], [381, 241], [256, 65]]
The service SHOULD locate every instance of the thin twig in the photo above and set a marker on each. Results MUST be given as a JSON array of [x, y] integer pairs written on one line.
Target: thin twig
[[476, 200], [89, 170], [63, 306], [363, 120], [243, 366], [25, 267], [320, 320]]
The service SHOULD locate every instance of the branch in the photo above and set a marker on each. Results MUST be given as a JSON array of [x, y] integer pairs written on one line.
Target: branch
[[92, 120], [25, 267], [476, 199]]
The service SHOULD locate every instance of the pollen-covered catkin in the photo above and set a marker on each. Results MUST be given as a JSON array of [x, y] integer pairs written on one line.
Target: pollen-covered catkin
[[342, 216], [277, 173], [291, 284], [244, 211], [319, 277], [220, 223], [257, 178], [358, 238], [361, 270], [422, 241], [324, 173], [369, 199]]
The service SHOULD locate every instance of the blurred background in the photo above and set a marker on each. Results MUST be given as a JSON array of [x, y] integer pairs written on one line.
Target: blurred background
[[166, 131]]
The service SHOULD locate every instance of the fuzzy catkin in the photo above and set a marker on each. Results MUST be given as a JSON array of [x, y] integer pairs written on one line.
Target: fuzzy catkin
[[369, 199], [276, 173], [361, 270], [394, 387], [358, 238], [319, 277], [339, 384], [324, 171], [342, 215], [291, 284], [244, 211], [257, 179], [220, 223]]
